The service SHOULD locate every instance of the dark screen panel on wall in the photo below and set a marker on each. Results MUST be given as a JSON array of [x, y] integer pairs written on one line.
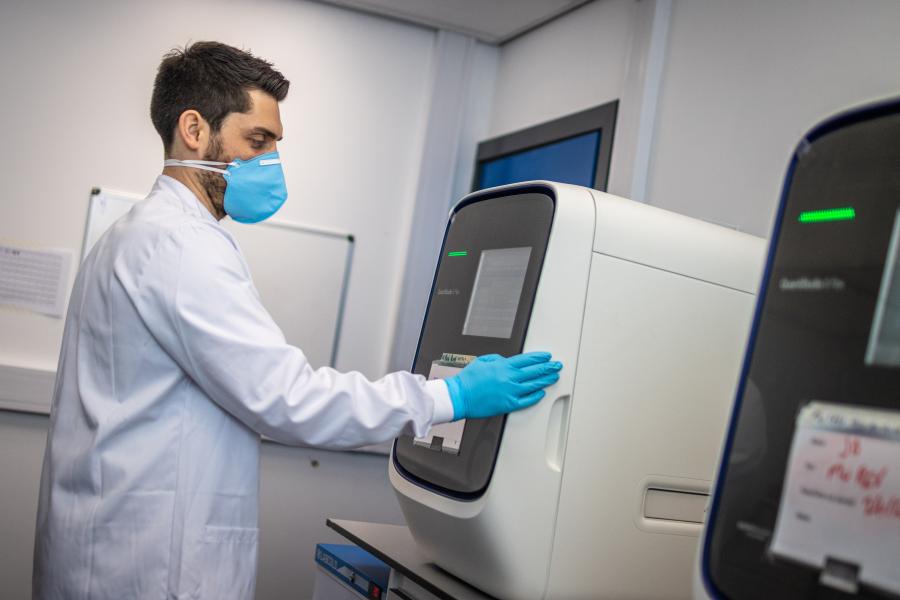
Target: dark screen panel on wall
[[575, 149], [568, 161]]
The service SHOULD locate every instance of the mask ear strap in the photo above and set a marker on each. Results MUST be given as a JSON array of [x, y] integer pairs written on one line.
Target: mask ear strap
[[196, 164]]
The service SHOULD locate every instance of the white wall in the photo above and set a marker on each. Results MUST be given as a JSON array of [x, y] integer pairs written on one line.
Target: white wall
[[572, 63], [22, 439], [463, 83], [744, 81], [75, 112]]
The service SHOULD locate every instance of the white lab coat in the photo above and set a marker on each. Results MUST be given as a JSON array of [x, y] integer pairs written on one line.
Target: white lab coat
[[169, 371]]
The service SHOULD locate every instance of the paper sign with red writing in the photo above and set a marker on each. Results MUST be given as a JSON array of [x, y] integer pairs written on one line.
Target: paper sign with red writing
[[841, 497]]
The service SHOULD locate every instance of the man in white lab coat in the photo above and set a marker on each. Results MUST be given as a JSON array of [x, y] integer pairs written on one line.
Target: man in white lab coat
[[171, 368]]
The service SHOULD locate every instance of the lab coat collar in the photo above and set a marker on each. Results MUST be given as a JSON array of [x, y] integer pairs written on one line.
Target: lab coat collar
[[186, 197]]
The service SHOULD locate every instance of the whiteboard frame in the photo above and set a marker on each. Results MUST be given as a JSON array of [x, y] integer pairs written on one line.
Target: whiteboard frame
[[345, 280]]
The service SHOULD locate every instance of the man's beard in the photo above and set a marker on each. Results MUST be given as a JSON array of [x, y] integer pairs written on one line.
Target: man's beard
[[213, 183]]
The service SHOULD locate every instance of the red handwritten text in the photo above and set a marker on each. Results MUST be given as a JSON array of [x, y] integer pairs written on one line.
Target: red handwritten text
[[839, 471], [879, 506], [852, 447], [870, 479], [865, 477]]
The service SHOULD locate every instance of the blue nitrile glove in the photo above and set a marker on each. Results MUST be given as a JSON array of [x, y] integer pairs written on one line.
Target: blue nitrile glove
[[492, 385]]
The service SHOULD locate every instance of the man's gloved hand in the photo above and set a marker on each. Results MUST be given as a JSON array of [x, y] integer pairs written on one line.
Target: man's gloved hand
[[492, 385]]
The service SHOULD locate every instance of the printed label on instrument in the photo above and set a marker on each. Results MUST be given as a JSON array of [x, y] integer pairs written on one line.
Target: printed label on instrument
[[446, 437]]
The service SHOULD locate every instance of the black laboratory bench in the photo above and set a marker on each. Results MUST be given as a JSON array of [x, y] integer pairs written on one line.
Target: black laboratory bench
[[413, 577]]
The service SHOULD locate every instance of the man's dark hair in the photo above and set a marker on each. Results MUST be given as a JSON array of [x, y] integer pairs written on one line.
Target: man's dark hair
[[212, 78]]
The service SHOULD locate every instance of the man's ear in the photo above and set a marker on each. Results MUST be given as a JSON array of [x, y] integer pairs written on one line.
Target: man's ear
[[193, 130]]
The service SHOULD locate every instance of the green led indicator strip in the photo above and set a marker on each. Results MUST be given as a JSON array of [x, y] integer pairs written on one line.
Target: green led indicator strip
[[828, 214], [459, 253]]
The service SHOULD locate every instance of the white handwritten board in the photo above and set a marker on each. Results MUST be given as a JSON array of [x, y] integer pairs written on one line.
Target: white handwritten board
[[841, 498], [301, 272]]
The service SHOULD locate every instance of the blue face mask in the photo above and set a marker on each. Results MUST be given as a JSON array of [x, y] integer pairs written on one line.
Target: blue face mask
[[254, 189]]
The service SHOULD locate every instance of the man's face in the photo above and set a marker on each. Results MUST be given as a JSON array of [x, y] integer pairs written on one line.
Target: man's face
[[243, 136]]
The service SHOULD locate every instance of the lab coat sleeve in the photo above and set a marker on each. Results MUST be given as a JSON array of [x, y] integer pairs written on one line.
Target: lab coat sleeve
[[197, 297]]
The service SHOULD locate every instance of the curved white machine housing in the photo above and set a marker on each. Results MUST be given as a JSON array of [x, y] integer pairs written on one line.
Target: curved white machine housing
[[600, 489]]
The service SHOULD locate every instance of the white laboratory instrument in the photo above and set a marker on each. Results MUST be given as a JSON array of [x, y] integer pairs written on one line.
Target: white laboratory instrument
[[599, 490]]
